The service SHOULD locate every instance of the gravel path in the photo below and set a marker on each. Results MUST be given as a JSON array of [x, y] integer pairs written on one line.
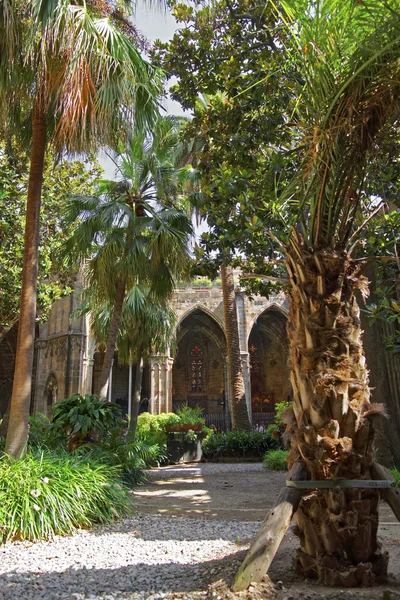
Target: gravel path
[[147, 556]]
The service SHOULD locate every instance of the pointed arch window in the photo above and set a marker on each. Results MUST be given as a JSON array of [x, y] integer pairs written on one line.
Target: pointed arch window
[[197, 368]]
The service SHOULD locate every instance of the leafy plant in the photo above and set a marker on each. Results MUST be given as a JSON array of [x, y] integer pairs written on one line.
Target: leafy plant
[[280, 409], [190, 416], [238, 443], [42, 432], [84, 418], [276, 460], [47, 493], [201, 283], [152, 428], [191, 436], [396, 475]]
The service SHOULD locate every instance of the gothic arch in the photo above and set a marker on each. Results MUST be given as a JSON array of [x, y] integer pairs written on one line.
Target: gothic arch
[[200, 307], [199, 329], [268, 352], [270, 307]]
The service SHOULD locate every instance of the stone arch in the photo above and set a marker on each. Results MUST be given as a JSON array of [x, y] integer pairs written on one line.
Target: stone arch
[[268, 354], [204, 309], [199, 327], [50, 392], [270, 307]]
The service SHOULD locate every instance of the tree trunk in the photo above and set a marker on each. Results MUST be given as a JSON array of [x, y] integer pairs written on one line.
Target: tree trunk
[[17, 432], [112, 337], [137, 391], [332, 424], [240, 417]]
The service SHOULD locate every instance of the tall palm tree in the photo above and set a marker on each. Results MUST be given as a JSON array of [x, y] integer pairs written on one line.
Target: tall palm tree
[[147, 326], [129, 233], [238, 404], [70, 76], [350, 67]]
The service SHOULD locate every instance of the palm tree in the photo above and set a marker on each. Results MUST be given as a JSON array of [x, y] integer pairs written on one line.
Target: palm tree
[[70, 76], [147, 326], [126, 236], [238, 404], [350, 87]]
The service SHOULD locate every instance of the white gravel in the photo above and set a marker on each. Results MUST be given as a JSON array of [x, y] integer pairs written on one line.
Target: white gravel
[[147, 556]]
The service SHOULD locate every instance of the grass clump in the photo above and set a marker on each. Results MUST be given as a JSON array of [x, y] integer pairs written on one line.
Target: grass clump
[[396, 476], [46, 494], [276, 460]]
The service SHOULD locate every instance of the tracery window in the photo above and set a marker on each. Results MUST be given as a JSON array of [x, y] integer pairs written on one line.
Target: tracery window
[[196, 363], [254, 360]]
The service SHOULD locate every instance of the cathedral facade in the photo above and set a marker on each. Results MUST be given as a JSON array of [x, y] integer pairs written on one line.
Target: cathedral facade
[[193, 371]]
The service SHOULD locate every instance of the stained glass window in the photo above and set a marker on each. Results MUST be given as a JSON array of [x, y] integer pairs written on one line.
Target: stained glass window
[[196, 362], [254, 360]]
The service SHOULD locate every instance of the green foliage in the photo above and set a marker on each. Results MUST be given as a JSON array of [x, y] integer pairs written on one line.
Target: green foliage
[[275, 460], [131, 456], [85, 414], [45, 494], [280, 409], [201, 282], [61, 178], [42, 432], [396, 475], [152, 428], [237, 444], [190, 416]]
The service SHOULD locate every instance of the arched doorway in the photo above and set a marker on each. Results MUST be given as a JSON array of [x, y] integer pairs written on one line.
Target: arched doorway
[[269, 371], [198, 373]]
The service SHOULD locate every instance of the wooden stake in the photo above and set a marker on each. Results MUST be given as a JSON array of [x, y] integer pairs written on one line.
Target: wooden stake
[[266, 544], [391, 495]]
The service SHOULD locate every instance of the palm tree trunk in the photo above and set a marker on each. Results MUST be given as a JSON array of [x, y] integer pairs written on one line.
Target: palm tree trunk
[[137, 391], [112, 337], [17, 433], [332, 424], [240, 417]]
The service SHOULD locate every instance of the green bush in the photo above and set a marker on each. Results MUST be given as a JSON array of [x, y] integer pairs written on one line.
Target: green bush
[[47, 493], [85, 418], [396, 475], [132, 456], [280, 409], [201, 282], [275, 460], [152, 428], [43, 433], [190, 416], [238, 444]]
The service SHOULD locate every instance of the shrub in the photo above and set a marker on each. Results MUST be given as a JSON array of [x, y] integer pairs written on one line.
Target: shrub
[[280, 409], [217, 283], [152, 428], [238, 443], [85, 418], [190, 416], [132, 456], [275, 460], [396, 475], [44, 494], [43, 433], [201, 282]]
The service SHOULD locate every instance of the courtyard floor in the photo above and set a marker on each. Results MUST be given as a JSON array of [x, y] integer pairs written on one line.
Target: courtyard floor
[[191, 529]]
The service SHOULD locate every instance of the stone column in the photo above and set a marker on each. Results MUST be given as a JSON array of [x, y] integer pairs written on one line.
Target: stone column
[[130, 389], [153, 385], [109, 396], [168, 403]]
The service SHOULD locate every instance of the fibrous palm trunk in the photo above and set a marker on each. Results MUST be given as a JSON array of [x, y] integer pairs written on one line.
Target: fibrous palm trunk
[[240, 417], [112, 336], [332, 425], [17, 432]]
